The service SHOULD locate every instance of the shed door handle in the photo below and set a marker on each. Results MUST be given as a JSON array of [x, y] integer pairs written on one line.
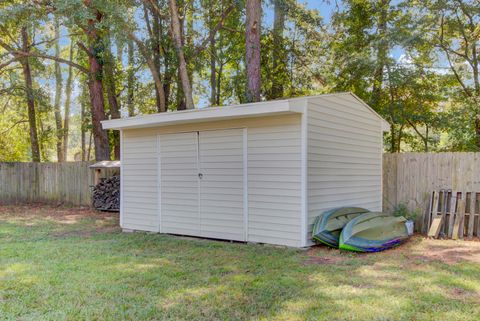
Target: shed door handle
[[200, 175]]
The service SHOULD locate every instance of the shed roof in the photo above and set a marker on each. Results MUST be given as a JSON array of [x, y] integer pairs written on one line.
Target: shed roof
[[106, 164], [266, 108]]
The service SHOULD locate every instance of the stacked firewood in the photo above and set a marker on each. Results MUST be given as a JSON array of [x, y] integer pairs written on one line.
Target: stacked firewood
[[106, 194]]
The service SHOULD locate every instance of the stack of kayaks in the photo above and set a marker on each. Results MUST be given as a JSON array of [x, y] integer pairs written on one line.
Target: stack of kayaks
[[329, 225], [357, 229]]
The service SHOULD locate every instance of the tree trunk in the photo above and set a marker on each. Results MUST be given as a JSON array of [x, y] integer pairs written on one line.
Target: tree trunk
[[58, 95], [219, 84], [477, 130], [178, 42], [392, 139], [278, 54], [382, 51], [426, 139], [180, 98], [156, 55], [130, 79], [83, 125], [27, 74], [399, 139], [252, 36], [476, 82], [153, 28], [153, 70], [112, 95], [213, 76], [95, 85], [89, 146], [213, 72], [68, 98]]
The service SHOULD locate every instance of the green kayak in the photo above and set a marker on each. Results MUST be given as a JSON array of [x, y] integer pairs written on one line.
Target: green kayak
[[329, 224], [373, 232]]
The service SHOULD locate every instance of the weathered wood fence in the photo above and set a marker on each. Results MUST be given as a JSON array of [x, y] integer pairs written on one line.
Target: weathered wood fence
[[66, 183], [410, 178]]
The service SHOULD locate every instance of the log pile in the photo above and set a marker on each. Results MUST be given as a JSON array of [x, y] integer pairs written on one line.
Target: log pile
[[106, 194]]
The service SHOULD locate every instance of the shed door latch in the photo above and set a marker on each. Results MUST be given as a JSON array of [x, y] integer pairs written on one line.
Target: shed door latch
[[200, 175]]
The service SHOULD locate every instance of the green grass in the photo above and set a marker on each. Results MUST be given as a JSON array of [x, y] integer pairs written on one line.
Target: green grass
[[69, 264]]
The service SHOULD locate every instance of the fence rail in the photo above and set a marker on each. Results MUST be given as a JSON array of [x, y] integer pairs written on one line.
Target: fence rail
[[66, 183]]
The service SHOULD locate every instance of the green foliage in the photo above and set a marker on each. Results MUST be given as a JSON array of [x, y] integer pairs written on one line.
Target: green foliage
[[402, 210], [415, 62]]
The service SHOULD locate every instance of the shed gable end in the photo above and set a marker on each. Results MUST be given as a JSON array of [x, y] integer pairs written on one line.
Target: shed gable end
[[345, 146]]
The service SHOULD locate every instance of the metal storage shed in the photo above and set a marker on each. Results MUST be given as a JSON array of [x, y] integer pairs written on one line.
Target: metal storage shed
[[256, 172]]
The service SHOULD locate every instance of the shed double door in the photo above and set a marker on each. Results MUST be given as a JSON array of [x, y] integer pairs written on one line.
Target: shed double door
[[202, 184]]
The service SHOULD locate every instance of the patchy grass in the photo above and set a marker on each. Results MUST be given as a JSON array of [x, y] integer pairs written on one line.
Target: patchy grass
[[75, 264]]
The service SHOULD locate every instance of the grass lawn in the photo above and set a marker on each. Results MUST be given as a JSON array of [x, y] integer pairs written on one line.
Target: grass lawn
[[74, 264]]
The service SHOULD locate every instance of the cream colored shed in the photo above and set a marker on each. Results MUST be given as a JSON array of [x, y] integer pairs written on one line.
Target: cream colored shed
[[256, 172]]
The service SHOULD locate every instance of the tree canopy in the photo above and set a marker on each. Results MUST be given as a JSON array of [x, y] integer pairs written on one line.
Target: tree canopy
[[66, 65]]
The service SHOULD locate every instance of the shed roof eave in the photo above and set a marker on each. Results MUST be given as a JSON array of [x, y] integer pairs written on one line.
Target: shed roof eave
[[269, 108]]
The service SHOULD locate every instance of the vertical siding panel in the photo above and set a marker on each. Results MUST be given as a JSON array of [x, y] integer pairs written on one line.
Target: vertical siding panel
[[221, 209], [274, 183], [179, 184], [139, 165]]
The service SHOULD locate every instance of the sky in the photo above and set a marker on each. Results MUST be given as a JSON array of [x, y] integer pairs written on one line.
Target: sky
[[325, 8]]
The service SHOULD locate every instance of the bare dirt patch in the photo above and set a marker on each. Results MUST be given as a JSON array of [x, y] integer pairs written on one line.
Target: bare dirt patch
[[452, 256], [32, 213], [416, 251], [323, 255], [444, 251], [86, 233], [58, 212]]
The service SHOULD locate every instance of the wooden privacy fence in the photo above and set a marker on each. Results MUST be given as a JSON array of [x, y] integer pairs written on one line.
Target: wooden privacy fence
[[66, 183], [410, 179]]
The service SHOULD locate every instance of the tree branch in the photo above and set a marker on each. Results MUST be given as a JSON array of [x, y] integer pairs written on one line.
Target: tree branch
[[84, 48], [156, 8], [11, 127], [58, 59], [217, 27], [5, 31], [6, 46], [232, 30], [52, 40], [415, 129], [5, 64]]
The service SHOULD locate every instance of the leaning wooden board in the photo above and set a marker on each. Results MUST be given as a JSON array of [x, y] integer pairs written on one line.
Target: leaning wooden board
[[457, 227], [436, 226], [443, 211], [471, 216], [434, 207], [451, 218]]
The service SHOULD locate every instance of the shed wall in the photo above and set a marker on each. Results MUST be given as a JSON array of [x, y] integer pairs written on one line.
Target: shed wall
[[274, 176], [345, 142]]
